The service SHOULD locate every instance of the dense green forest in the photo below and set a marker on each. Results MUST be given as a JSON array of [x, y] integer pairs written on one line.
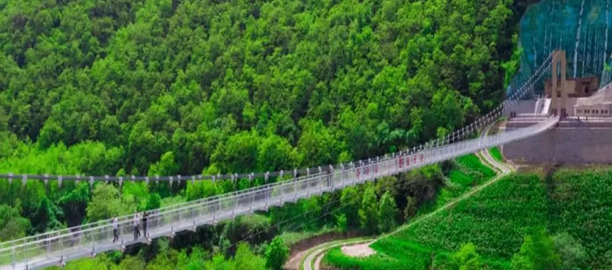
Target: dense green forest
[[163, 87], [168, 87], [241, 86]]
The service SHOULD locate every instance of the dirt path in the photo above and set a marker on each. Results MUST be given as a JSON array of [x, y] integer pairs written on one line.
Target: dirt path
[[301, 249], [294, 262], [313, 259], [359, 250]]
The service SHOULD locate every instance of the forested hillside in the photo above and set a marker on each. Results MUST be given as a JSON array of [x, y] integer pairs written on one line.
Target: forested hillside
[[240, 86], [163, 87]]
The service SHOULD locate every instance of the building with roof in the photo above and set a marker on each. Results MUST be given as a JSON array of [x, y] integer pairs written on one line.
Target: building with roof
[[575, 87], [597, 105]]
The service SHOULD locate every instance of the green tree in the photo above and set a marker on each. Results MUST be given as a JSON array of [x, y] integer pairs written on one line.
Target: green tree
[[153, 201], [243, 227], [132, 262], [135, 193], [246, 259], [74, 203], [201, 189], [165, 166], [141, 85], [342, 223], [194, 261], [275, 153], [466, 258], [12, 225], [511, 66], [537, 253], [316, 144], [350, 200], [46, 216], [368, 213], [276, 254], [238, 154], [219, 262], [572, 253], [410, 209], [106, 202], [387, 211]]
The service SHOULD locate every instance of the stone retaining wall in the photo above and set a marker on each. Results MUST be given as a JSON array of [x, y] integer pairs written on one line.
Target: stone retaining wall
[[571, 142]]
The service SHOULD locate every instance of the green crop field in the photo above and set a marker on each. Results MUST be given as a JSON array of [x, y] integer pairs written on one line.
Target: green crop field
[[496, 220]]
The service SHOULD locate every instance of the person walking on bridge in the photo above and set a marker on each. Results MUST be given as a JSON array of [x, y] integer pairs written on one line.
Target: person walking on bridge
[[145, 215], [115, 229], [136, 222]]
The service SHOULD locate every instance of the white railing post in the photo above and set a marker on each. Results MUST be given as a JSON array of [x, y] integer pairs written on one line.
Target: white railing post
[[320, 181], [330, 178], [342, 175], [281, 193], [48, 245], [353, 179], [27, 256], [13, 255], [295, 185]]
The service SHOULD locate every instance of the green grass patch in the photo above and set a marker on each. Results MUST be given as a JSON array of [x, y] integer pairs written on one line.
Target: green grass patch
[[461, 178], [378, 261], [399, 254], [472, 165], [467, 173], [496, 154]]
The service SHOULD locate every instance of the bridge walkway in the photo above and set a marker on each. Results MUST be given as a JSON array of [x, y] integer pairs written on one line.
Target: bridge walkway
[[58, 247]]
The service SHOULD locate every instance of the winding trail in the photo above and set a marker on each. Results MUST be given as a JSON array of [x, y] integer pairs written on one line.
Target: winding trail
[[313, 256]]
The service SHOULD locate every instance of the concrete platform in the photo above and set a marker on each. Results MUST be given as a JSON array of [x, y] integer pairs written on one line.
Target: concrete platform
[[573, 141]]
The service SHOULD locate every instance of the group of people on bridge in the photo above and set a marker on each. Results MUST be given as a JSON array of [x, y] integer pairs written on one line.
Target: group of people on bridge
[[138, 219]]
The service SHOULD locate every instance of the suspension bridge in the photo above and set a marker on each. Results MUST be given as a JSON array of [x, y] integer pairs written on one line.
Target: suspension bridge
[[56, 248]]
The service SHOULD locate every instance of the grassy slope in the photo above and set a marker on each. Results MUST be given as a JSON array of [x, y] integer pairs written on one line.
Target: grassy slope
[[495, 220], [468, 172], [496, 154]]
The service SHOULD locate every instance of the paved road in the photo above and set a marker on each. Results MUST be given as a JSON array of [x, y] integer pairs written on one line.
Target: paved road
[[501, 168], [313, 259]]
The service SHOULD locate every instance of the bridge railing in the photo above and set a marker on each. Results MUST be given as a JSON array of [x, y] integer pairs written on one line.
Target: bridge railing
[[125, 218], [62, 245]]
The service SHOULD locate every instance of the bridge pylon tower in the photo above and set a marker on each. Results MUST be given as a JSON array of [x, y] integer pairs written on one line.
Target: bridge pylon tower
[[559, 95]]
